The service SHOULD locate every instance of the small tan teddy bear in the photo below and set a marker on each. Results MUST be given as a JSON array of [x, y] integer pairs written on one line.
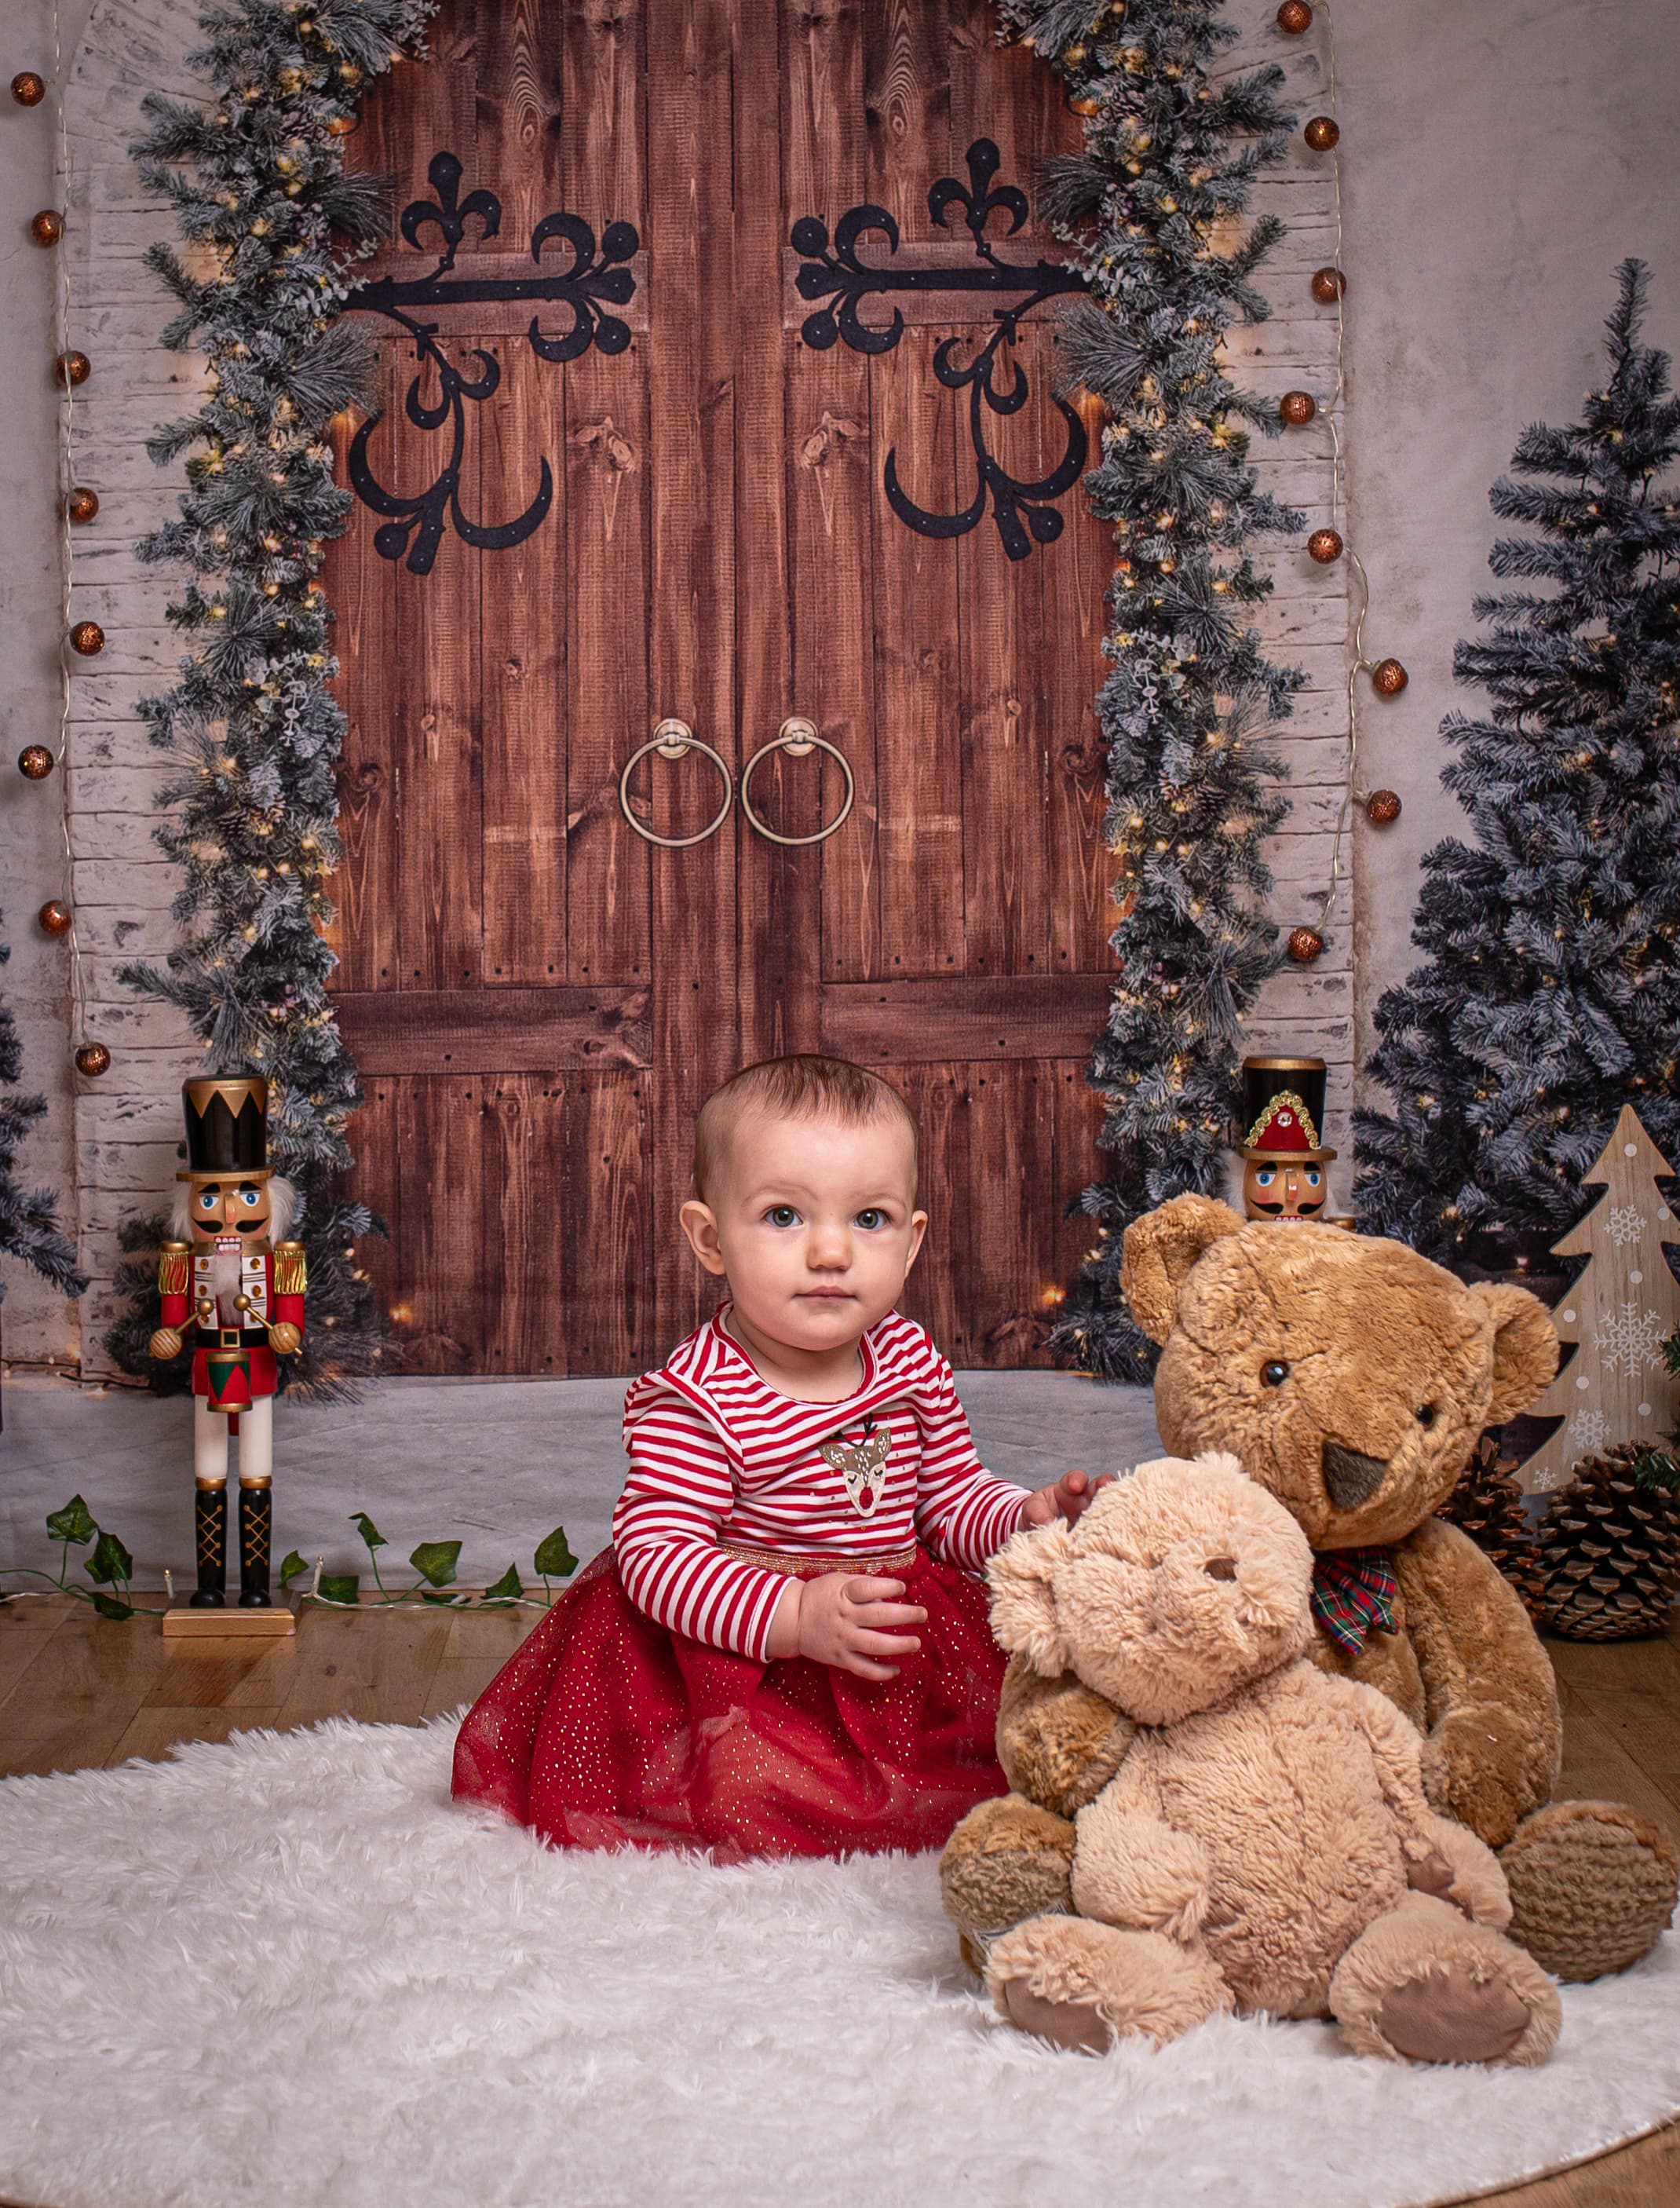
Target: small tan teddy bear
[[1265, 1845]]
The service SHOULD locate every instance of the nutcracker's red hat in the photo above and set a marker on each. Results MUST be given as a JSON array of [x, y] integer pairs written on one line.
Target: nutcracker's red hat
[[1283, 1109]]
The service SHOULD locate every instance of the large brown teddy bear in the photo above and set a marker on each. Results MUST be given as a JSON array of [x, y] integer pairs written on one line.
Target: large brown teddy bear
[[1266, 1845], [1352, 1377]]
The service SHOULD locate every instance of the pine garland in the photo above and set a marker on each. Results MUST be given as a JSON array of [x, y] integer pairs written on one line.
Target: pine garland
[[259, 190], [1170, 156], [1551, 993], [29, 1226]]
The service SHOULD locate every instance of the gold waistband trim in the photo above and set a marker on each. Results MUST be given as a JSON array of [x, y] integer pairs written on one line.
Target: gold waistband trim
[[778, 1560]]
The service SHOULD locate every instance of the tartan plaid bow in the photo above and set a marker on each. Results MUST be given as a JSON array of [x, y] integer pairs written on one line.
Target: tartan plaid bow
[[1353, 1590]]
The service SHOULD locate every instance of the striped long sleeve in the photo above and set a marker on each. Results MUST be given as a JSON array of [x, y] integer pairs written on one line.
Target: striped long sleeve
[[963, 1514], [665, 1532]]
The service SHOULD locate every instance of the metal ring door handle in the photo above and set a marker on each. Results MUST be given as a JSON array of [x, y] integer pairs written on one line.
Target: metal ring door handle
[[673, 740], [798, 737]]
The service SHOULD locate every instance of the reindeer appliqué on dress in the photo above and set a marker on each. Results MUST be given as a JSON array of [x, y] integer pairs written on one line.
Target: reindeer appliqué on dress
[[859, 1464]]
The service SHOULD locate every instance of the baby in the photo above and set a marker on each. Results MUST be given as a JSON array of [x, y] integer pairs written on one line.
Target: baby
[[786, 1650]]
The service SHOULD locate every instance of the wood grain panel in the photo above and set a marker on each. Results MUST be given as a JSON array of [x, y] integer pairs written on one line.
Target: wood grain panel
[[937, 1095], [519, 72], [526, 1205], [1082, 869], [449, 1269], [830, 485], [1005, 1017], [607, 1255], [375, 1139], [522, 651], [496, 1031], [609, 467], [778, 890], [692, 605], [1003, 1288]]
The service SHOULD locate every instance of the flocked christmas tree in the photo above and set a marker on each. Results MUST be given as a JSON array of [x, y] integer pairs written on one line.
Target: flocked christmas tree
[[259, 190], [29, 1226], [1551, 993], [1171, 154]]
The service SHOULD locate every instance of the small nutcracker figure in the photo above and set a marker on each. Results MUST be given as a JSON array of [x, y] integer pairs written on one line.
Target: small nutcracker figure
[[241, 1287], [1283, 1161]]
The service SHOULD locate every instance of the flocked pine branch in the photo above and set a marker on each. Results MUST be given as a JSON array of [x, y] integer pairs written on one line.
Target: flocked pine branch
[[1551, 994], [1171, 155], [29, 1226], [256, 181]]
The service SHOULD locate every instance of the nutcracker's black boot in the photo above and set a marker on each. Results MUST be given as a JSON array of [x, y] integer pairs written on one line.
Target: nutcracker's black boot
[[255, 1510], [210, 1540]]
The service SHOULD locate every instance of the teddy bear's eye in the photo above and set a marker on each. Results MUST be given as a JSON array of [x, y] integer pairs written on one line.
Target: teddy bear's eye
[[1274, 1374], [1221, 1568], [1425, 1415]]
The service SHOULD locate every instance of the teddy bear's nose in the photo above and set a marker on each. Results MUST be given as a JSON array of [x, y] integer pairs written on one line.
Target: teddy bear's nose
[[1349, 1478]]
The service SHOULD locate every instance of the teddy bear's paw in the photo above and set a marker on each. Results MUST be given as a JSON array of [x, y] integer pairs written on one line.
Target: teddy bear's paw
[[1460, 1869], [1008, 1860], [1424, 1983], [1082, 1985], [1593, 1887]]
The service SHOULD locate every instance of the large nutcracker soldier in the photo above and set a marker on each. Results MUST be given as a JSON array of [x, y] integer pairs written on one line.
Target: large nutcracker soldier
[[240, 1285], [1283, 1159]]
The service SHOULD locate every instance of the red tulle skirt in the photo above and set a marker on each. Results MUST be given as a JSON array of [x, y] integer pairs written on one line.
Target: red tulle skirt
[[606, 1730]]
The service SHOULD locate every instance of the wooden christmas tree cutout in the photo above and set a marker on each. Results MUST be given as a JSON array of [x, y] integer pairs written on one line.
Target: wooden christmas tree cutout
[[1615, 1387]]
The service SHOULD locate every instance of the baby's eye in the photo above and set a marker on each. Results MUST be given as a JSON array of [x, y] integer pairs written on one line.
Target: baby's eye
[[782, 1215], [870, 1218]]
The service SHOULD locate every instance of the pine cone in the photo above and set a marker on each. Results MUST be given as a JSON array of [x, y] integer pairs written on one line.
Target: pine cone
[[1487, 1505], [1609, 1547]]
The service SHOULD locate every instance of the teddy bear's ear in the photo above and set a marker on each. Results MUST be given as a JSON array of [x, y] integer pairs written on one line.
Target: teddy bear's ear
[[1524, 1349], [1159, 1250], [1023, 1608]]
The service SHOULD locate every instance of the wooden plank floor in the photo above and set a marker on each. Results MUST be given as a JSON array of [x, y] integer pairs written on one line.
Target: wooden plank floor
[[77, 1690]]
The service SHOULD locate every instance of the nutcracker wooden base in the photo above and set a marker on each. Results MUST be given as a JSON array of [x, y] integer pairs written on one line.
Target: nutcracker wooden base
[[182, 1623]]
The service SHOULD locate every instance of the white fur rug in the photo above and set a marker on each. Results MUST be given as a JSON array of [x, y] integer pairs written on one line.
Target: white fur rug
[[285, 1967]]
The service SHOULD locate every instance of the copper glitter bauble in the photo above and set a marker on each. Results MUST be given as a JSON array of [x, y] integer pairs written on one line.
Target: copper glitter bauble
[[82, 504], [1306, 944], [55, 917], [1324, 545], [341, 125], [47, 227], [1327, 285], [72, 367], [1382, 806], [1297, 408], [1083, 106], [1388, 678], [87, 638], [1322, 133], [1293, 17], [35, 762], [92, 1060], [29, 90]]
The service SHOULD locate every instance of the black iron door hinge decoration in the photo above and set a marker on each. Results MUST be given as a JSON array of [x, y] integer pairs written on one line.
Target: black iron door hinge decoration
[[835, 275], [597, 279]]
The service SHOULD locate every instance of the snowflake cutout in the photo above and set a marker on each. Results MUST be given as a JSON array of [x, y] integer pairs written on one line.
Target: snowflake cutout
[[1589, 1430], [1631, 1342], [1626, 1223]]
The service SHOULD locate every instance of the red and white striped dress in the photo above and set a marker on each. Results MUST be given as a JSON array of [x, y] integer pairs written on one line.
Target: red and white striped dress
[[718, 1456], [643, 1709]]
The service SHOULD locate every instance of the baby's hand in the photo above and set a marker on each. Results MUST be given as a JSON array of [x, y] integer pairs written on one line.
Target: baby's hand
[[847, 1620], [1069, 1497]]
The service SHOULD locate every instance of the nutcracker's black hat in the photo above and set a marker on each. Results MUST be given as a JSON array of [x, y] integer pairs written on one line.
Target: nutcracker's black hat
[[227, 1126], [1283, 1109]]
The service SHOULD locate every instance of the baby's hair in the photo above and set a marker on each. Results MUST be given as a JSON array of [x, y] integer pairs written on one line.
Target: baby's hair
[[803, 1087]]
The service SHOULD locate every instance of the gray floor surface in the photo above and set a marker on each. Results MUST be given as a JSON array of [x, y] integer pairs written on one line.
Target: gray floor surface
[[494, 1464]]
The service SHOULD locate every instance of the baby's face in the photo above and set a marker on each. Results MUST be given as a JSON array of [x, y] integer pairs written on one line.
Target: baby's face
[[815, 1225]]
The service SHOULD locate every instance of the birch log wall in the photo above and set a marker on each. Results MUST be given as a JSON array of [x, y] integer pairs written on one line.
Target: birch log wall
[[127, 1125]]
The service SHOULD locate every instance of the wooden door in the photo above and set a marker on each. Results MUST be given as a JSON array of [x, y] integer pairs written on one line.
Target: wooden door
[[700, 513]]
